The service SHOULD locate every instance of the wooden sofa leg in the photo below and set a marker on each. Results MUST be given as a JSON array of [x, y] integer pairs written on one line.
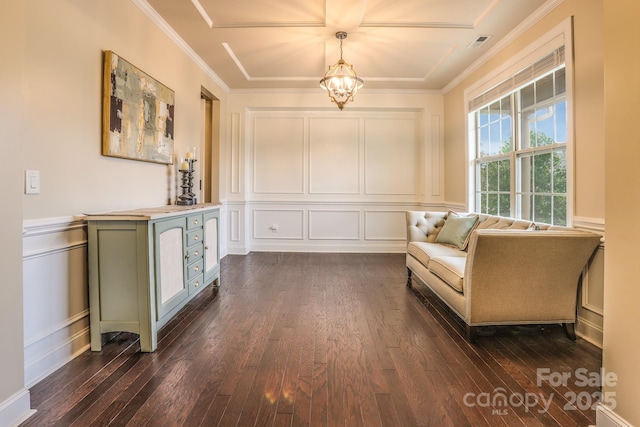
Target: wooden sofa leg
[[408, 277], [471, 334], [570, 330]]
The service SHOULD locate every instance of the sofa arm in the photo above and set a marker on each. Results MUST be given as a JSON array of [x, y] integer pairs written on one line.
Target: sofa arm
[[525, 276], [423, 224]]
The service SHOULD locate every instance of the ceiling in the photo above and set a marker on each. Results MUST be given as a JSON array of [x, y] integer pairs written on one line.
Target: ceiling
[[402, 44]]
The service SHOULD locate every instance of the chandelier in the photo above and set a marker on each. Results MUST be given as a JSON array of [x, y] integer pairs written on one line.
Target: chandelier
[[341, 81]]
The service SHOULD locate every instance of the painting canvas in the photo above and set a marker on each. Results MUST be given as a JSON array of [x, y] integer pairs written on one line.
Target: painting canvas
[[138, 113]]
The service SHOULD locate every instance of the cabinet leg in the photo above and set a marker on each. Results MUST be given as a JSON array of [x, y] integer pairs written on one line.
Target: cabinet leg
[[408, 277]]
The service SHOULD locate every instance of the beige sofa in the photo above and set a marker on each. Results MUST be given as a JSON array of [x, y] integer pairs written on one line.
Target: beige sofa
[[503, 271]]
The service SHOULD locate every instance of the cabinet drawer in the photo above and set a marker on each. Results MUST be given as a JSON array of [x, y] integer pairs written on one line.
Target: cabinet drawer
[[196, 284], [195, 269], [194, 252], [194, 221], [194, 236]]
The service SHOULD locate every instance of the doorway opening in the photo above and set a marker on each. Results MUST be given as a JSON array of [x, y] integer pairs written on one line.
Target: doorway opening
[[210, 131]]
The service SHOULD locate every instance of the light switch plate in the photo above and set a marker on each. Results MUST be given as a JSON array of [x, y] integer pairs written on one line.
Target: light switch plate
[[31, 182]]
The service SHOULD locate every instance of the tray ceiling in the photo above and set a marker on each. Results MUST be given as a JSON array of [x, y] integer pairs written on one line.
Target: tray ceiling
[[407, 44]]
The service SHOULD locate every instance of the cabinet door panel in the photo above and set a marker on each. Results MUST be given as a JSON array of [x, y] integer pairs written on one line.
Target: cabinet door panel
[[171, 287], [211, 257]]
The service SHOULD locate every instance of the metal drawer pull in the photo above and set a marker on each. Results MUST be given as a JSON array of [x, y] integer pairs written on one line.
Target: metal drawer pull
[[196, 268], [206, 248], [195, 221], [187, 256], [197, 284], [196, 237], [196, 253]]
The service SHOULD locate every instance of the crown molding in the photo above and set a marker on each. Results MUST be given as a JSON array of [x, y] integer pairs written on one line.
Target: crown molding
[[531, 20], [151, 13]]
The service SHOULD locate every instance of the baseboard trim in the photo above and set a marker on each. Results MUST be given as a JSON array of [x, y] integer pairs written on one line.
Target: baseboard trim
[[54, 359], [605, 417], [590, 332], [16, 409]]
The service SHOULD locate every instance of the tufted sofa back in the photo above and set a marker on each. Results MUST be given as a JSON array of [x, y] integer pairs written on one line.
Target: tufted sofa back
[[424, 226]]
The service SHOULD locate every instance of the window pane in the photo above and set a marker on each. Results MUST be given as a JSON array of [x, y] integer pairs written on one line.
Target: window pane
[[527, 96], [505, 145], [560, 171], [560, 82], [525, 178], [525, 208], [494, 111], [561, 121], [493, 176], [483, 143], [542, 173], [482, 172], [505, 205], [494, 135], [504, 183], [543, 209], [483, 116], [560, 210], [483, 202], [545, 121], [492, 204], [544, 88]]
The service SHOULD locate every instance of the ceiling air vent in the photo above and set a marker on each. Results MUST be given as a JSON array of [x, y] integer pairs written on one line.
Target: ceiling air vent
[[479, 42]]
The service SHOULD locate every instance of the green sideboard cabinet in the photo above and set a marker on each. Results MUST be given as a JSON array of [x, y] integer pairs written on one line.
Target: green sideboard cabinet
[[146, 264]]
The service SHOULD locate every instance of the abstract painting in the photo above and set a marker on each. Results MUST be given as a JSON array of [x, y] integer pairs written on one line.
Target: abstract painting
[[138, 113]]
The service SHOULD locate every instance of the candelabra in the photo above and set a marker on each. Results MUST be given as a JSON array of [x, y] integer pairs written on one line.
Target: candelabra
[[187, 197]]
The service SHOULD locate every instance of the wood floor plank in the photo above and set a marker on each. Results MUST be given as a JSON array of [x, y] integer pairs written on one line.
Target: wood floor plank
[[301, 339]]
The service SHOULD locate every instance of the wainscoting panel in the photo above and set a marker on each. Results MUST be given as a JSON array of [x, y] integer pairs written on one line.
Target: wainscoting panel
[[235, 154], [56, 300], [278, 166], [391, 156], [334, 224], [334, 155], [385, 225], [591, 308], [436, 155], [278, 224]]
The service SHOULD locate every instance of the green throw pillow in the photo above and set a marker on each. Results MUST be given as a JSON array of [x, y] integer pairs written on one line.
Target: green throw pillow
[[456, 230]]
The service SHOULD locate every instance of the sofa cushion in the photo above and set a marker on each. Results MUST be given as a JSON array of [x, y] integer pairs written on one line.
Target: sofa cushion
[[450, 269], [424, 251], [456, 230]]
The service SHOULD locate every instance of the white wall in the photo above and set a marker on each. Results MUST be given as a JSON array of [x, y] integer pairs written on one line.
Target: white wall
[[52, 98], [305, 176], [14, 398], [63, 100], [622, 269]]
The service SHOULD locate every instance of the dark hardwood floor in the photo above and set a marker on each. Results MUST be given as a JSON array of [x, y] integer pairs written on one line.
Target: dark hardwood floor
[[323, 340]]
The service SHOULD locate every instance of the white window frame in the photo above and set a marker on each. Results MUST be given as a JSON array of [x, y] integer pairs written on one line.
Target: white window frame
[[559, 36]]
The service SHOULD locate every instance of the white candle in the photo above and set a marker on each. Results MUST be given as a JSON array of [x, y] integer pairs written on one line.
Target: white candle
[[184, 166], [189, 155]]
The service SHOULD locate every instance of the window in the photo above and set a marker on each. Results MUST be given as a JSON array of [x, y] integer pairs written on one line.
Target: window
[[520, 144]]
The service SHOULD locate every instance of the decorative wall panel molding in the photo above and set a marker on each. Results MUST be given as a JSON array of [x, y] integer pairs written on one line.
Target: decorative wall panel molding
[[436, 155], [391, 153], [328, 224], [385, 225], [236, 154], [334, 155], [278, 224], [56, 301], [278, 155]]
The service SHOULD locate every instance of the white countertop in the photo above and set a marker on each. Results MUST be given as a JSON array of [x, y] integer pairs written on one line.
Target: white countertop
[[149, 213]]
